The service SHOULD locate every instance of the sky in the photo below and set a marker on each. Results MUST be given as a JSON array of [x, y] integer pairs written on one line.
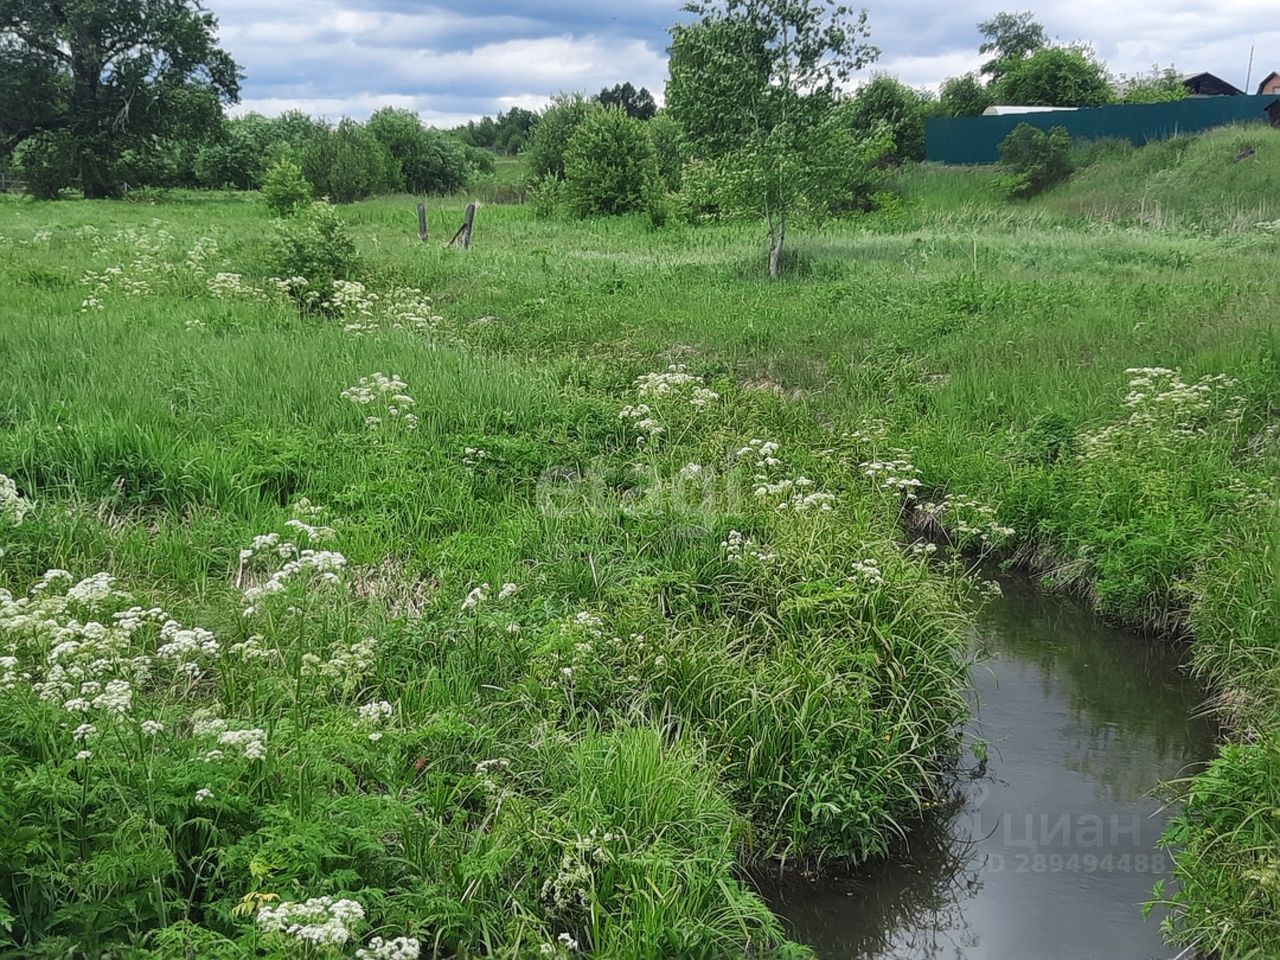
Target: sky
[[457, 60]]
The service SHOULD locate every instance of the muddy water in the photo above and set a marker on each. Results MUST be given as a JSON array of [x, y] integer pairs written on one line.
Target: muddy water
[[1051, 847]]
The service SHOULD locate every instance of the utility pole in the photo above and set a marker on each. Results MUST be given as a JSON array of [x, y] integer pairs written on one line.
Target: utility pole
[[1249, 76]]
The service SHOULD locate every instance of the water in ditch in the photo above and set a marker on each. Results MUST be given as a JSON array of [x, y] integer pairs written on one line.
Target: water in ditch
[[1051, 848]]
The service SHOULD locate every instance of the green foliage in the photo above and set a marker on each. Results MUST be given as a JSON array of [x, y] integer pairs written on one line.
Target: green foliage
[[1010, 37], [1033, 160], [1158, 86], [428, 160], [548, 198], [965, 96], [114, 77], [348, 163], [47, 162], [658, 203], [727, 710], [1226, 846], [1056, 77], [507, 134], [888, 104], [669, 151], [481, 161], [285, 189], [313, 245], [551, 136], [753, 84], [638, 104], [607, 164]]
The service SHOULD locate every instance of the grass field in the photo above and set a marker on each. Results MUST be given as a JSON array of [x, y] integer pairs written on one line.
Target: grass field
[[609, 593]]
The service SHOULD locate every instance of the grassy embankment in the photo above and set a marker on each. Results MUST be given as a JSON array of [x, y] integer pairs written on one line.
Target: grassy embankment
[[666, 708]]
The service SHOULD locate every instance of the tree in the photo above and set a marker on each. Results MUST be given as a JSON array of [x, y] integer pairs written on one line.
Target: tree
[[1158, 86], [551, 135], [1010, 36], [115, 75], [965, 96], [637, 103], [1056, 77], [887, 102], [608, 163], [349, 163], [754, 85], [429, 161]]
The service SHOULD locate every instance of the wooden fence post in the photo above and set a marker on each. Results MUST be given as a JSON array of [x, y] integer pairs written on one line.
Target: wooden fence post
[[422, 222], [464, 231]]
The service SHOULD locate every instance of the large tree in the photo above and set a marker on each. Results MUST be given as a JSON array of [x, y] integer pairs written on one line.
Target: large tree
[[98, 78], [1010, 37], [754, 83], [1069, 76]]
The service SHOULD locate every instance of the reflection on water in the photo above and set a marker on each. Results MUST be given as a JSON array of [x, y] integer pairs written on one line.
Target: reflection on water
[[1050, 848]]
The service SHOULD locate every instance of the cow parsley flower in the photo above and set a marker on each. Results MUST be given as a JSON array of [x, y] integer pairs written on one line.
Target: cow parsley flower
[[13, 506], [401, 948], [319, 921], [477, 596]]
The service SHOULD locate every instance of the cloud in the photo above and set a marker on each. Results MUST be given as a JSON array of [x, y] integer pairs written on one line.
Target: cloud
[[454, 60]]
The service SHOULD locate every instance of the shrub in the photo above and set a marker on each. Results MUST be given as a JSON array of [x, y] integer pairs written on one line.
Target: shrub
[[547, 197], [552, 134], [965, 96], [657, 203], [285, 189], [313, 246], [349, 163], [669, 150], [607, 163], [47, 163], [901, 110], [1158, 86], [1034, 160], [428, 160]]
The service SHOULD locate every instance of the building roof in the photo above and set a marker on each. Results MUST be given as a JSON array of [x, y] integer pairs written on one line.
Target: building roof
[[1009, 111], [1208, 85], [1267, 79]]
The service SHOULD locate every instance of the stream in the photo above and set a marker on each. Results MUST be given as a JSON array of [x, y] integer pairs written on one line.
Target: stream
[[1051, 847]]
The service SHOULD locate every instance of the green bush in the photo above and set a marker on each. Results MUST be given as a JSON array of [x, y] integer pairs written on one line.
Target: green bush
[[428, 160], [669, 150], [550, 139], [657, 202], [607, 163], [547, 197], [285, 189], [1068, 76], [890, 104], [965, 96], [1158, 86], [1034, 160], [313, 246], [349, 163], [47, 163]]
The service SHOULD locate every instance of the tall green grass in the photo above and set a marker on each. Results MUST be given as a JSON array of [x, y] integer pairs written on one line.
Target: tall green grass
[[724, 714]]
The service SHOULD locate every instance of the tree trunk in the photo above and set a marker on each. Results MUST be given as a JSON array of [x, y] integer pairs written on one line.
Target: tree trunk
[[775, 249], [91, 140]]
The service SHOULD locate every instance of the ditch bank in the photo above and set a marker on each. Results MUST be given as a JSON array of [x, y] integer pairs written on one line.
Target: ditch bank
[[1051, 845]]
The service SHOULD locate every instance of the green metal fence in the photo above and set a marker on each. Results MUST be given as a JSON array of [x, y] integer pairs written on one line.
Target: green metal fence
[[977, 139]]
